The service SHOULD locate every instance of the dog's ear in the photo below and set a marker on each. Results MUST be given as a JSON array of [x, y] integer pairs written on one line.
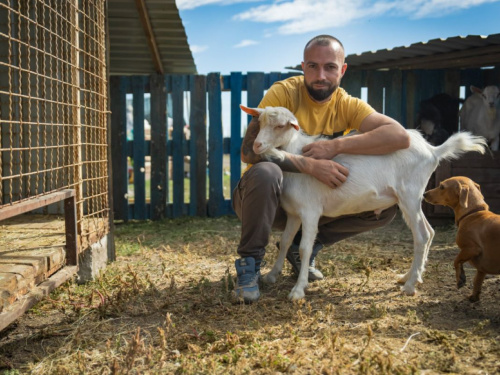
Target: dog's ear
[[463, 197], [477, 186]]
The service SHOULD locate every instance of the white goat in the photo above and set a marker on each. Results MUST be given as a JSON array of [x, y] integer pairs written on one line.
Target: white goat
[[375, 183], [480, 114]]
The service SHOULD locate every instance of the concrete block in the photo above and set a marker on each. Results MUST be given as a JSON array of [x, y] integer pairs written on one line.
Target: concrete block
[[93, 260]]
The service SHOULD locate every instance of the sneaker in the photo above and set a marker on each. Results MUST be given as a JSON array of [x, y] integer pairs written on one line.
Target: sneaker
[[293, 256], [247, 282]]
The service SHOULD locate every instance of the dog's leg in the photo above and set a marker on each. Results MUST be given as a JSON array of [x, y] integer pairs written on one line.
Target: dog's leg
[[309, 231], [465, 254], [291, 228], [422, 238], [478, 282], [460, 274]]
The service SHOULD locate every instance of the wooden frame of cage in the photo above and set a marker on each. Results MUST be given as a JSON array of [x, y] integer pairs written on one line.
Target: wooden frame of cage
[[25, 302]]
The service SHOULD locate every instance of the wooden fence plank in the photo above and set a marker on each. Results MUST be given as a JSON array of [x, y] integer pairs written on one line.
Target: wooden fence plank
[[235, 144], [375, 82], [139, 149], [393, 99], [159, 157], [198, 147], [216, 205], [352, 83], [178, 141], [255, 89], [118, 145]]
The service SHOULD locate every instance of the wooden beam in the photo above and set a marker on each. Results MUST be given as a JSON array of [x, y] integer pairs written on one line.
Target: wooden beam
[[27, 301], [150, 37]]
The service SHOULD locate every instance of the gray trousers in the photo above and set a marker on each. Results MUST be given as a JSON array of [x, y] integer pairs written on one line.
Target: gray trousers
[[256, 202]]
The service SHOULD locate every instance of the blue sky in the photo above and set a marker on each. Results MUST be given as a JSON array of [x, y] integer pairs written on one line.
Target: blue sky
[[260, 35]]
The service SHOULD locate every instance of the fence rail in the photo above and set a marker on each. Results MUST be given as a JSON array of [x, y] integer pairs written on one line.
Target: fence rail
[[396, 93]]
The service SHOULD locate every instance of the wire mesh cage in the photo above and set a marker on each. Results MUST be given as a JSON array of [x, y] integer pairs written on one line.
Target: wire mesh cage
[[53, 106]]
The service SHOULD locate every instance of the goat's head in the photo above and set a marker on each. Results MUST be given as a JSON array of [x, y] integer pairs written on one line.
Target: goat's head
[[490, 94], [277, 127]]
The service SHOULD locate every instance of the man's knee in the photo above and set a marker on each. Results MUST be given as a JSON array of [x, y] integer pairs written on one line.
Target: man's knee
[[267, 177]]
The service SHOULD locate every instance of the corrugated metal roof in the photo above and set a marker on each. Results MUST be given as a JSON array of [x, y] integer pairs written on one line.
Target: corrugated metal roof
[[472, 51], [130, 44]]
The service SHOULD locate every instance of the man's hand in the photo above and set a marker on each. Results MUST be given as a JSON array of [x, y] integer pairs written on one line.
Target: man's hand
[[320, 150], [329, 172]]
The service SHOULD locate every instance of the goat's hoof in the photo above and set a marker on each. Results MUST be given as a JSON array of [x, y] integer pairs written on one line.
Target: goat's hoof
[[296, 295], [269, 278], [403, 278], [408, 290]]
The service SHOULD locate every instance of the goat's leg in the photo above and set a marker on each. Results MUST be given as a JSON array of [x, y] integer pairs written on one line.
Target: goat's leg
[[429, 241], [309, 231], [422, 238], [291, 228]]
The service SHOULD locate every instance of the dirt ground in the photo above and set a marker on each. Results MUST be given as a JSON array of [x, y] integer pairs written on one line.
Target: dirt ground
[[165, 306]]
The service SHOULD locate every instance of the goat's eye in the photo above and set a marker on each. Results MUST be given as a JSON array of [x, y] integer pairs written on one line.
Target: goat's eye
[[279, 127], [441, 187]]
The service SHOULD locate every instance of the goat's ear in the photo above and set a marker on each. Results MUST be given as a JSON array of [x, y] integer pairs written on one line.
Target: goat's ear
[[477, 186], [475, 89], [295, 124], [463, 197], [251, 111]]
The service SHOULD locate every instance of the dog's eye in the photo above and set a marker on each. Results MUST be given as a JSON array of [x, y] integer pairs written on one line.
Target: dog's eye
[[441, 187]]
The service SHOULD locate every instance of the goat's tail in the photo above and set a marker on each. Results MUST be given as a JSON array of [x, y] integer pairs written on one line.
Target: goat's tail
[[460, 143]]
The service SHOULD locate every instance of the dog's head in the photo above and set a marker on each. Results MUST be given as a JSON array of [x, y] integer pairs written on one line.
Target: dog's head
[[456, 192]]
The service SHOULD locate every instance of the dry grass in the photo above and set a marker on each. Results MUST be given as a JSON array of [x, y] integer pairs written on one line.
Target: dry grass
[[165, 307]]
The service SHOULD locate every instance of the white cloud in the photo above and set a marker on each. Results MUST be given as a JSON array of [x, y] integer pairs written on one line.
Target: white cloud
[[191, 4], [301, 16], [198, 49], [246, 43]]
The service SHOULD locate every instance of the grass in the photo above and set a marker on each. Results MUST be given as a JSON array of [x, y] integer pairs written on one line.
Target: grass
[[165, 307]]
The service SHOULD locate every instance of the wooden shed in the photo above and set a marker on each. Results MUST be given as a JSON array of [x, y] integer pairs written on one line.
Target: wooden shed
[[396, 80]]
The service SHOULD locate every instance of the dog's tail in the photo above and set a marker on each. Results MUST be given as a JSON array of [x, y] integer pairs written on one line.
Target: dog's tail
[[458, 144]]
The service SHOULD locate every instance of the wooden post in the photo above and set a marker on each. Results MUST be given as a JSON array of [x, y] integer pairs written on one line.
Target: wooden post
[[159, 157], [198, 147], [235, 145], [215, 146]]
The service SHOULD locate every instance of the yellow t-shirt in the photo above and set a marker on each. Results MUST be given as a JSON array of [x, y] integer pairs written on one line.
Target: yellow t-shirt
[[341, 113]]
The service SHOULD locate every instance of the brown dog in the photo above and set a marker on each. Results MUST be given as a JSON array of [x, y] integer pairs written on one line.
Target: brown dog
[[478, 235]]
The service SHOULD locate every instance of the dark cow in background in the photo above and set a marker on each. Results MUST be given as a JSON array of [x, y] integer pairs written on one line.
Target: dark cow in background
[[438, 118]]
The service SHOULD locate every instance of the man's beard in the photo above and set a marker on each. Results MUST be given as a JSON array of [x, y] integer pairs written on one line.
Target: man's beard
[[320, 94]]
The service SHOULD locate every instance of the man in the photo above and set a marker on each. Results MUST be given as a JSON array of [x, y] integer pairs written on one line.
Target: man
[[321, 107]]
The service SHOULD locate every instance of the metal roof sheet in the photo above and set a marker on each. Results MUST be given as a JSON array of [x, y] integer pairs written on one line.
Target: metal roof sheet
[[131, 51], [472, 51]]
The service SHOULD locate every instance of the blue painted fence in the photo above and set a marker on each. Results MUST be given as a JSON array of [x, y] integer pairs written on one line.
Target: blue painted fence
[[396, 93]]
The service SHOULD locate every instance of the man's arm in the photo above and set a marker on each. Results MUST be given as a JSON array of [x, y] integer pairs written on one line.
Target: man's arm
[[326, 171], [380, 135]]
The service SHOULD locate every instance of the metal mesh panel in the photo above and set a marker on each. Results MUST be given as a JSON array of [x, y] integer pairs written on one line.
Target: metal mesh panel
[[53, 105]]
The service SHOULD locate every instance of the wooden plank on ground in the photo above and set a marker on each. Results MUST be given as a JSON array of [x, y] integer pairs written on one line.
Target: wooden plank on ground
[[23, 304]]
